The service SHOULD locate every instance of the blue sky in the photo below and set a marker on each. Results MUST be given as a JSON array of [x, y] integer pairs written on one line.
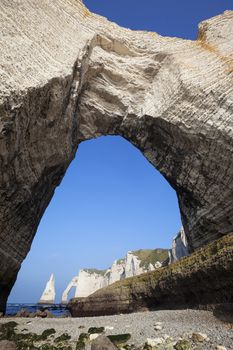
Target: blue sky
[[111, 199]]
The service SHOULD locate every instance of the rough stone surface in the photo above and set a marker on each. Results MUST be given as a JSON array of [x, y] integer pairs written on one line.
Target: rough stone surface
[[135, 263], [7, 345], [199, 337], [67, 75], [202, 279], [48, 295], [102, 343]]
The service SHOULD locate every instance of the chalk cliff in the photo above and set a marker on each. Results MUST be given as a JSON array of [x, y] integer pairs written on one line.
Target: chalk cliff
[[179, 247], [135, 263], [85, 283], [67, 75], [202, 279], [48, 295]]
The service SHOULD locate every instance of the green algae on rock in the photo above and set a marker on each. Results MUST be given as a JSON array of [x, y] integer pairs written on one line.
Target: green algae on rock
[[63, 337], [32, 341], [119, 339], [80, 345], [94, 330], [84, 337], [183, 345]]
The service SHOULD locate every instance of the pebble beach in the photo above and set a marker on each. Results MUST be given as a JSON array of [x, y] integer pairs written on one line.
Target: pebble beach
[[175, 324]]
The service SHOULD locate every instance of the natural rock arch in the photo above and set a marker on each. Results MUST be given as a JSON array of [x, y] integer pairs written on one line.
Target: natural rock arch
[[68, 75]]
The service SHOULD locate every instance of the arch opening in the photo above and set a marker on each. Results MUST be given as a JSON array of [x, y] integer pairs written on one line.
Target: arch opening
[[71, 293], [111, 201]]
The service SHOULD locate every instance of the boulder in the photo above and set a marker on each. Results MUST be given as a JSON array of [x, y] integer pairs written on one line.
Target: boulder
[[23, 313], [43, 314], [103, 343], [199, 337]]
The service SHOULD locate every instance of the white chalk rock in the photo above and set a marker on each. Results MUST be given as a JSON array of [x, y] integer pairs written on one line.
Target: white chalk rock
[[179, 247], [48, 296], [135, 263], [94, 336]]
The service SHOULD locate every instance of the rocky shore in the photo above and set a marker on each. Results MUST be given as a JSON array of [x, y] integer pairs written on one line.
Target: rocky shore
[[158, 330], [202, 279]]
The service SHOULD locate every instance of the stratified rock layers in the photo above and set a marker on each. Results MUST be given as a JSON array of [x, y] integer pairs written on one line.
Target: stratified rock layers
[[201, 279], [67, 75]]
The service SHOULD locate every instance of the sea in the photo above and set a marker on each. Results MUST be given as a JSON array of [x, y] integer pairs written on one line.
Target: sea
[[56, 309]]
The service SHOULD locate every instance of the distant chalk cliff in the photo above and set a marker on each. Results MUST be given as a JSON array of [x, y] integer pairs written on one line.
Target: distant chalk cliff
[[135, 263], [179, 247]]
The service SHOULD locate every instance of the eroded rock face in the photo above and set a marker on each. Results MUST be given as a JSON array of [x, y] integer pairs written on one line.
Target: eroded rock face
[[202, 279], [67, 75]]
